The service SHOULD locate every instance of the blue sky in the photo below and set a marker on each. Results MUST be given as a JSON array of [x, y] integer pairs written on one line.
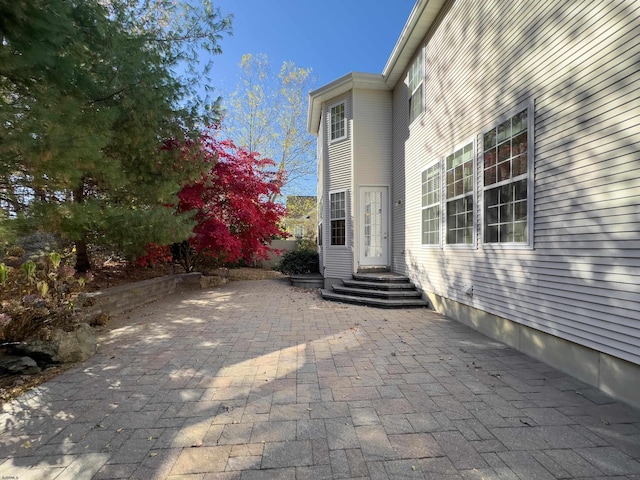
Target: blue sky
[[333, 37]]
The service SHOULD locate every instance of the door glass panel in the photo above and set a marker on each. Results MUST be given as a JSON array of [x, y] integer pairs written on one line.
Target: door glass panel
[[373, 224]]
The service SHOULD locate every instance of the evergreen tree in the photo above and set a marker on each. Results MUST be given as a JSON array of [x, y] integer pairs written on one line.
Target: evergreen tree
[[91, 110]]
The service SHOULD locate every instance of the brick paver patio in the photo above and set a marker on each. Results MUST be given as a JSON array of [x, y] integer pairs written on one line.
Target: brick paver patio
[[258, 380]]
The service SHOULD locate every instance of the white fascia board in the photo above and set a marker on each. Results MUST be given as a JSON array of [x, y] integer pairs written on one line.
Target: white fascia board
[[421, 18], [346, 83]]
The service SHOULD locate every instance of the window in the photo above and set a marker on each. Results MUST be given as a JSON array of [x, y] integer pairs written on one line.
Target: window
[[415, 79], [320, 218], [431, 205], [506, 181], [338, 122], [459, 195], [338, 218]]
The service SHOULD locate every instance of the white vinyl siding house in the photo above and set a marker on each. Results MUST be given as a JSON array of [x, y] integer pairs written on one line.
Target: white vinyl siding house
[[533, 126], [355, 165]]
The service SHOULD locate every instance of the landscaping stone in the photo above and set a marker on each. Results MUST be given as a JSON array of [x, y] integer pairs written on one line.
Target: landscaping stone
[[65, 347], [19, 365], [212, 281]]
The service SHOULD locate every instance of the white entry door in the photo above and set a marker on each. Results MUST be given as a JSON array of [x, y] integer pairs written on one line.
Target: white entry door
[[373, 243]]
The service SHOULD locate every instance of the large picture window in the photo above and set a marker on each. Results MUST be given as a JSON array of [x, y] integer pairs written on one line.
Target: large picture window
[[415, 81], [338, 218], [431, 205], [459, 195], [506, 181], [338, 120]]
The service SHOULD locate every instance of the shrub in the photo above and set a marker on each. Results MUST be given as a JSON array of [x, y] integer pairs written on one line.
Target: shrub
[[15, 251], [155, 255], [38, 297], [307, 243], [296, 262]]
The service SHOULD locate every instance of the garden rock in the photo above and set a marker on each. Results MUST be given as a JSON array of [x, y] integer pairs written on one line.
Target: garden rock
[[66, 347], [212, 281], [18, 365]]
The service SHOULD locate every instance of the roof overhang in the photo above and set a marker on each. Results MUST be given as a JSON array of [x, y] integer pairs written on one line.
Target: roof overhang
[[421, 18], [351, 81]]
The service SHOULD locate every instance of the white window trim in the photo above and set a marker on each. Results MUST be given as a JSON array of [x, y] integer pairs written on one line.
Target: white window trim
[[529, 105], [320, 218], [443, 209], [345, 125], [420, 56], [441, 222], [346, 226]]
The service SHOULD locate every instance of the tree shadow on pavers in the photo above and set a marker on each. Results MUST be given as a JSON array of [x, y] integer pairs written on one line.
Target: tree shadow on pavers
[[221, 379], [168, 377]]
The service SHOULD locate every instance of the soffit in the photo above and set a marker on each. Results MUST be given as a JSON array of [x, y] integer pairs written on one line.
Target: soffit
[[344, 84], [422, 17]]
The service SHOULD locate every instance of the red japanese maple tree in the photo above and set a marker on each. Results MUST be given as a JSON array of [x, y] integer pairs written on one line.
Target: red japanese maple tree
[[236, 218]]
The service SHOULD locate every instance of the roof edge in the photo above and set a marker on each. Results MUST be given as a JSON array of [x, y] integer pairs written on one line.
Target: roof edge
[[421, 18], [350, 81]]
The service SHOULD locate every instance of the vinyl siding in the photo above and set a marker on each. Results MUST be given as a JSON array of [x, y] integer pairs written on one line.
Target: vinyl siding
[[339, 258], [577, 61], [338, 176], [399, 223], [371, 144], [322, 200], [372, 137]]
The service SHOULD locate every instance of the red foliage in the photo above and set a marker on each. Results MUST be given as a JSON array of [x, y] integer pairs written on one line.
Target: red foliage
[[155, 254], [236, 216]]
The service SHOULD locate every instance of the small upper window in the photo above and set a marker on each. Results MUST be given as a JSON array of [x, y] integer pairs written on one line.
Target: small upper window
[[507, 195], [415, 80], [338, 122]]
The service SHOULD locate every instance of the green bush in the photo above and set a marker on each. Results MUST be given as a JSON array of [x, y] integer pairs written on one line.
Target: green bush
[[307, 243], [37, 297], [296, 262]]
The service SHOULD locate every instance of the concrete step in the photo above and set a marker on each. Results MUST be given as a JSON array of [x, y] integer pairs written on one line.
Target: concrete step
[[374, 302], [370, 292], [382, 277], [307, 280], [379, 285]]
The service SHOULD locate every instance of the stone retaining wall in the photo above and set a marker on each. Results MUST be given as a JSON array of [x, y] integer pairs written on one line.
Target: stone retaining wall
[[115, 300]]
